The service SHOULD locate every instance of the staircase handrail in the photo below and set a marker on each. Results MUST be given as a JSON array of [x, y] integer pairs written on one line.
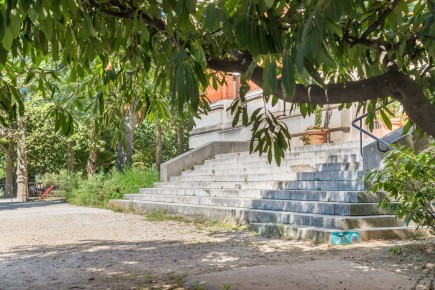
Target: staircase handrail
[[360, 128]]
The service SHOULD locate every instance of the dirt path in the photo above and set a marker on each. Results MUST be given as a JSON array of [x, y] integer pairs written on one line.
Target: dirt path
[[59, 246]]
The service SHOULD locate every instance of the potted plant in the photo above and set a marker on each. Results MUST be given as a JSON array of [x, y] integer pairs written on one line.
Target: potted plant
[[317, 134], [396, 117]]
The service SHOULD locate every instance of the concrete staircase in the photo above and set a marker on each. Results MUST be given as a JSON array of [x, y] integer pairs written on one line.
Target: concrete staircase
[[316, 191]]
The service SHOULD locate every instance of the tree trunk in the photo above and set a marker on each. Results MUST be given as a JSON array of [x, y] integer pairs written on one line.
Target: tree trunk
[[159, 145], [119, 156], [129, 126], [9, 178], [70, 152], [91, 166], [180, 139], [22, 189]]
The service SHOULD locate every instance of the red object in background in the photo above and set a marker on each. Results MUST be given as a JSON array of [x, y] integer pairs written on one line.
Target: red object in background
[[47, 192]]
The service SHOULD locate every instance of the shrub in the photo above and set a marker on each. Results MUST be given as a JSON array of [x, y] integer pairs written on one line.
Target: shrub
[[409, 180], [98, 189]]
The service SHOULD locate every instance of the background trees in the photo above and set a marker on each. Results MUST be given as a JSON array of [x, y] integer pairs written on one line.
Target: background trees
[[309, 53], [314, 52]]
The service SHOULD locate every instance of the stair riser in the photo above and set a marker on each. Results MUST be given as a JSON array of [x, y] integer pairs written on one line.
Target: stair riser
[[318, 207], [324, 167], [265, 164], [221, 185], [195, 200], [288, 156], [336, 175], [323, 222], [325, 196], [322, 236], [331, 147], [303, 195], [238, 215], [290, 185], [324, 185], [231, 193]]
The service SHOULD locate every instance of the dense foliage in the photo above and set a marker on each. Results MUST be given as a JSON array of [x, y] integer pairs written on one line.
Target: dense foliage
[[409, 180], [97, 189], [307, 52]]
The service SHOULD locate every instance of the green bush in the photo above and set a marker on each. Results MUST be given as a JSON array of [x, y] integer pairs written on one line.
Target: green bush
[[98, 189], [409, 180]]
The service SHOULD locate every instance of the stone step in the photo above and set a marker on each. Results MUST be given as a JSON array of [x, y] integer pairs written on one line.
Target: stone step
[[308, 195], [211, 212], [322, 221], [324, 235], [265, 164], [324, 195], [330, 147], [316, 207], [310, 167], [221, 184], [331, 175], [327, 208], [242, 156], [356, 185]]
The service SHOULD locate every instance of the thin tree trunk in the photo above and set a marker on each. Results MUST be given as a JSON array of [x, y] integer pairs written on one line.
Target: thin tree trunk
[[70, 152], [119, 156], [180, 138], [129, 126], [9, 178], [22, 189], [91, 166], [159, 145]]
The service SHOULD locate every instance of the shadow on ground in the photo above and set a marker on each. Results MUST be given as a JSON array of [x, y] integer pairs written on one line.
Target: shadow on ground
[[7, 205], [96, 264]]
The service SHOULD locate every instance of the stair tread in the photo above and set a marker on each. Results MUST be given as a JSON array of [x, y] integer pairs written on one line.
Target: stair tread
[[268, 200], [337, 230], [262, 210]]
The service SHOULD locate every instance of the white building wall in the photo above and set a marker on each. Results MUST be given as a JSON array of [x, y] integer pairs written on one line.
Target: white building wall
[[217, 125]]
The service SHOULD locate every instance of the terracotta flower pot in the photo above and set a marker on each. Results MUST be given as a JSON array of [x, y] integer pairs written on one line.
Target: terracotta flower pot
[[396, 123], [317, 136]]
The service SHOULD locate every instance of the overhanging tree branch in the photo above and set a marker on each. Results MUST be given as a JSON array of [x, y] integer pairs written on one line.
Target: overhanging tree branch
[[390, 84], [380, 21]]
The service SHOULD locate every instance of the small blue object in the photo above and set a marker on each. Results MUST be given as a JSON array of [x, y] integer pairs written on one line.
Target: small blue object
[[344, 238]]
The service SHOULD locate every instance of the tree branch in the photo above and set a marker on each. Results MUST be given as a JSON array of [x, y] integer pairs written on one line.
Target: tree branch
[[125, 12], [3, 147], [380, 21], [390, 84], [9, 133]]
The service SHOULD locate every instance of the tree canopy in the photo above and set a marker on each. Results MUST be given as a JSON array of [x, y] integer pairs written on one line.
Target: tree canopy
[[304, 52]]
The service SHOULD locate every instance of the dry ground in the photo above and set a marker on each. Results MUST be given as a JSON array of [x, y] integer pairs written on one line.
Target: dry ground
[[51, 245]]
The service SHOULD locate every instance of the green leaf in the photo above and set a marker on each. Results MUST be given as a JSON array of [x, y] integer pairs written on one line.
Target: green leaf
[[288, 76], [386, 119], [335, 28], [271, 76], [269, 3], [7, 39]]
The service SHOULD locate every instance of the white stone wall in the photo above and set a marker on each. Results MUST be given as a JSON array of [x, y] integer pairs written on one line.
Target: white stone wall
[[217, 125]]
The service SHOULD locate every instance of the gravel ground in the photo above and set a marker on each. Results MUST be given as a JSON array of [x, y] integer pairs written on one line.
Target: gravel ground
[[52, 245]]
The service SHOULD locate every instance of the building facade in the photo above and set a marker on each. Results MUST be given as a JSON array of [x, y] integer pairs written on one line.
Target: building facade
[[217, 124]]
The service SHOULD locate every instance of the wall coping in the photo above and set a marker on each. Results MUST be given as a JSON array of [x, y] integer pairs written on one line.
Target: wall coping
[[196, 156]]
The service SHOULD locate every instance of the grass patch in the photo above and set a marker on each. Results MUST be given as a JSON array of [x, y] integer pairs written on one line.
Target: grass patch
[[159, 215], [273, 231]]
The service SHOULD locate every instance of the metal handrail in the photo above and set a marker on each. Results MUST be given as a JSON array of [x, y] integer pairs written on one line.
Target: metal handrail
[[360, 128]]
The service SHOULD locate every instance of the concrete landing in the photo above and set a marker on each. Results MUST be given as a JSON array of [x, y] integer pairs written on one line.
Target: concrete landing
[[320, 274]]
